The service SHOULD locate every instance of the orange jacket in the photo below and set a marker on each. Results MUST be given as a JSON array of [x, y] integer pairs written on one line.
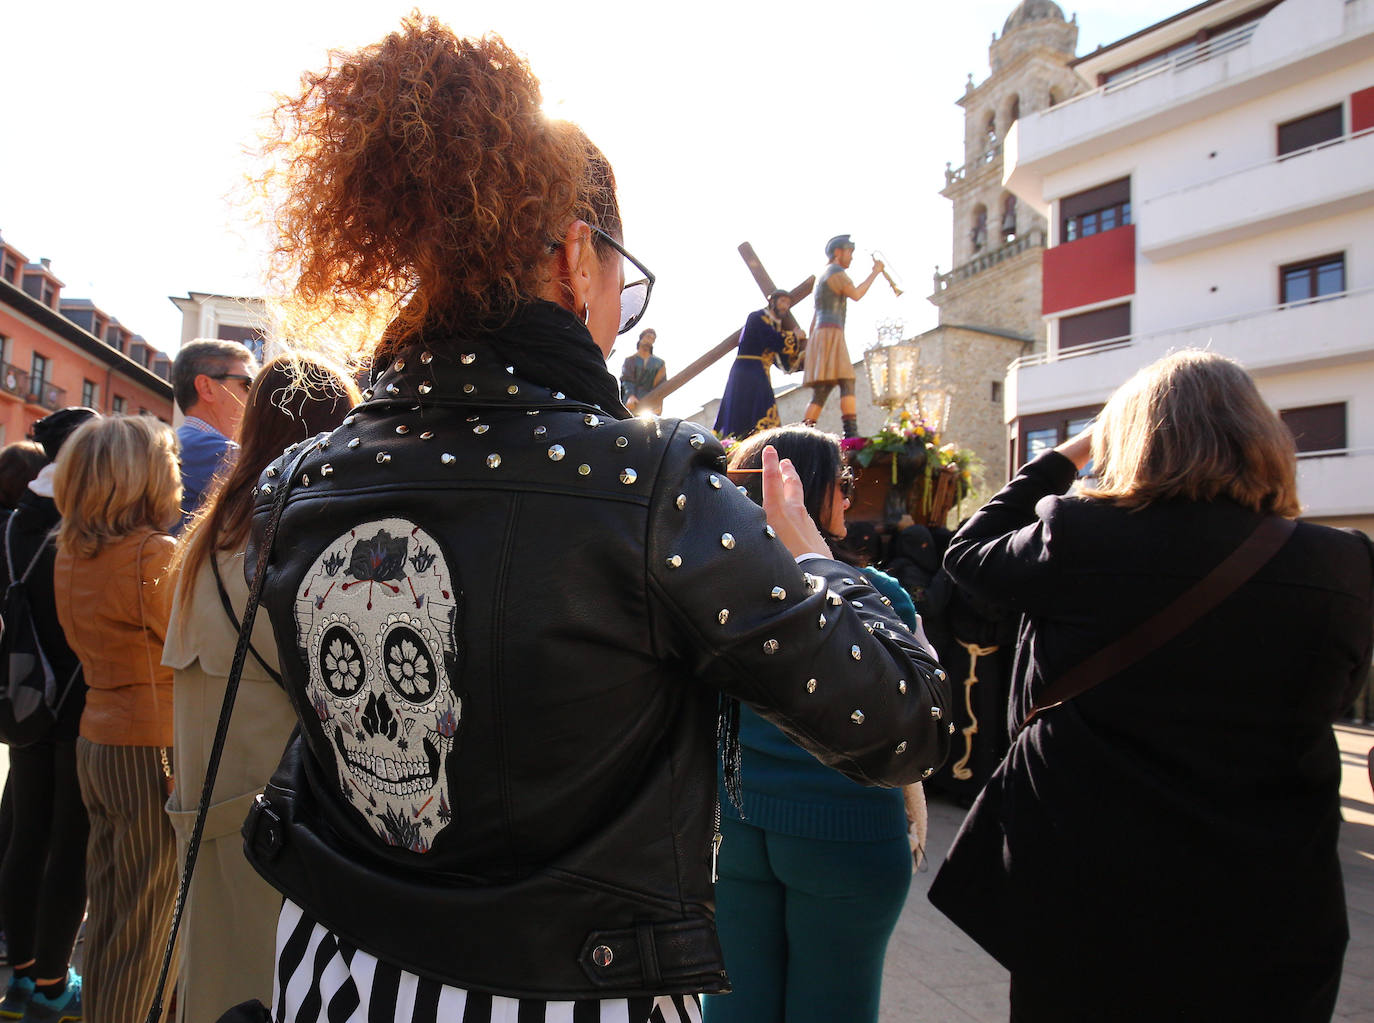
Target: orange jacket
[[98, 606]]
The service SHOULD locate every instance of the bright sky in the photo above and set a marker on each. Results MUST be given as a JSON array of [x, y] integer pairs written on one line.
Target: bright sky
[[126, 126]]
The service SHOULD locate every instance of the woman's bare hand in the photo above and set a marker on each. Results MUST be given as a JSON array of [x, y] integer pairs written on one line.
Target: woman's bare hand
[[1078, 449], [785, 505]]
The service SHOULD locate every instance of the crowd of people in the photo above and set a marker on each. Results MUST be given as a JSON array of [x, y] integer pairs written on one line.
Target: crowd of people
[[134, 591], [554, 712]]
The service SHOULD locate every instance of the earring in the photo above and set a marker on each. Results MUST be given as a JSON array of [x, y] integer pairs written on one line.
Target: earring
[[585, 310]]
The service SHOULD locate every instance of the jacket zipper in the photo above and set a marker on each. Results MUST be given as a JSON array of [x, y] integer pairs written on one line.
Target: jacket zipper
[[715, 844]]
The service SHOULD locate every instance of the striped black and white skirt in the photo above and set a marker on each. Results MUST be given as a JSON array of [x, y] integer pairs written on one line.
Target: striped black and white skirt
[[321, 979]]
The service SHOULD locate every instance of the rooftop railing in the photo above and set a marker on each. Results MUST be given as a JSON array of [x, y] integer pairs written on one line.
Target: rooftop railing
[[1180, 59]]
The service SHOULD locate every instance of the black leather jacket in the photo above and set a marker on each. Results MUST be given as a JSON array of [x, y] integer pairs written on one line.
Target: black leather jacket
[[506, 622]]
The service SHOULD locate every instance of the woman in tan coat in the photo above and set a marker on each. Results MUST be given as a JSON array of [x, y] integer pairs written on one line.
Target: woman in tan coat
[[229, 927], [118, 489]]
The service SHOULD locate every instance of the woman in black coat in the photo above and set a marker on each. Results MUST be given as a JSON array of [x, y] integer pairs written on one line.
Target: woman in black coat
[[1163, 846]]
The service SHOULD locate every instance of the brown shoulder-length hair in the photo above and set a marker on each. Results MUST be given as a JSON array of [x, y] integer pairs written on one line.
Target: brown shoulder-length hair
[[116, 476], [294, 397], [1193, 426], [418, 182], [20, 462]]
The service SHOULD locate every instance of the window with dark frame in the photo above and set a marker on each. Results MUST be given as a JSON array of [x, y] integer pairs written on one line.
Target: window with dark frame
[[1317, 427], [1312, 130], [1312, 280], [1098, 325], [117, 405], [1044, 430], [995, 391], [1095, 210], [88, 393]]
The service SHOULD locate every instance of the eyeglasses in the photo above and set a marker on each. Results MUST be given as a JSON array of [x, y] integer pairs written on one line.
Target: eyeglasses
[[848, 481], [247, 381], [634, 297]]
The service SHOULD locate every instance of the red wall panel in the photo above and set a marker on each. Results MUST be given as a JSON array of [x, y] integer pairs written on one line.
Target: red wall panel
[[1362, 110], [1092, 269]]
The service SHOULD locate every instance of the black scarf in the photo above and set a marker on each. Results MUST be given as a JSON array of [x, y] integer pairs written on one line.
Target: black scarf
[[551, 347]]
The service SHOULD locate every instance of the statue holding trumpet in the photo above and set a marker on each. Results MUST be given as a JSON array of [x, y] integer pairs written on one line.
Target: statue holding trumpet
[[827, 356]]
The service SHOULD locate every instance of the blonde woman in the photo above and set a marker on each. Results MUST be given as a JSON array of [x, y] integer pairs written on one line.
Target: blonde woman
[[1163, 844], [118, 489]]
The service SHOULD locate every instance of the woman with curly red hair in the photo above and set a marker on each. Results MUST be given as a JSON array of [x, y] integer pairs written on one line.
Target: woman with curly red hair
[[509, 616]]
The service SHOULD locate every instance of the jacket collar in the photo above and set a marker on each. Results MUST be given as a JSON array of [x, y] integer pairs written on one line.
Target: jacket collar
[[460, 374]]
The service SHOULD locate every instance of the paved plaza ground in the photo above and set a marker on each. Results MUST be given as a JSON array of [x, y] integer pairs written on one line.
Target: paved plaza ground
[[936, 975]]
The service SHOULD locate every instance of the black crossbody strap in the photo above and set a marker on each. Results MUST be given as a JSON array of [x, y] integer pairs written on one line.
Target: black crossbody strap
[[231, 689], [1230, 575], [272, 672]]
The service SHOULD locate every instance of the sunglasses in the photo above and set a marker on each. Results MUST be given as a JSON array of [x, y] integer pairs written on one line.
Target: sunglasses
[[847, 482], [634, 297], [247, 381]]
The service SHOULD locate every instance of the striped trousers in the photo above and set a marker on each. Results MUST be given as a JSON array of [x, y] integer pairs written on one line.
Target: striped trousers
[[131, 879], [323, 979]]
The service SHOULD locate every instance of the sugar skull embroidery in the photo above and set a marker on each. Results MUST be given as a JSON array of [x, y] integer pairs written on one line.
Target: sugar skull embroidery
[[376, 620]]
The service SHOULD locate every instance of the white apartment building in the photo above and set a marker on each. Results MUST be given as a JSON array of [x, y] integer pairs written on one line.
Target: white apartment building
[[1214, 188]]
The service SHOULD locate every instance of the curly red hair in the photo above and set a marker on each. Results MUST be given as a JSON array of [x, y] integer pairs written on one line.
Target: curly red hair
[[420, 179]]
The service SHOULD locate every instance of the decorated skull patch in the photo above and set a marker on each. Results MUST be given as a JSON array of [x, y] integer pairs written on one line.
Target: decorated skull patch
[[376, 621]]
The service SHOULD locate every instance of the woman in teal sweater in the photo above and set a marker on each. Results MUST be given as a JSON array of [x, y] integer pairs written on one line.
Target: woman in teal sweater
[[814, 873]]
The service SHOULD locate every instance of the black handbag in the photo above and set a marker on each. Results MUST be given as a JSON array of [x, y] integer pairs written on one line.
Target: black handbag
[[973, 887]]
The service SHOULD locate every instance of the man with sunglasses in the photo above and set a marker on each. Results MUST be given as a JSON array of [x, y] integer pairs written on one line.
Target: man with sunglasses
[[210, 382], [642, 372]]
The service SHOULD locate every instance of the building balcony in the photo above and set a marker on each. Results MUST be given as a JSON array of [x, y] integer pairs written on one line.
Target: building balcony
[[1336, 483], [1330, 331], [14, 381], [1032, 239], [1293, 42], [1325, 180], [46, 395], [983, 161]]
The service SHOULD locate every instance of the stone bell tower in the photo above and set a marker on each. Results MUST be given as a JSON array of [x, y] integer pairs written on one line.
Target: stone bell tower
[[990, 301]]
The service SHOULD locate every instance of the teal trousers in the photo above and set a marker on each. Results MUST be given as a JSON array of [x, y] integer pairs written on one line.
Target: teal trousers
[[804, 925]]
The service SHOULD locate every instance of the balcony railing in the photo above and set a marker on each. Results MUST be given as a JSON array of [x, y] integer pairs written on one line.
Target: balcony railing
[[1034, 238], [1131, 340], [50, 396], [1334, 453], [1179, 60], [1268, 161], [14, 380], [986, 157]]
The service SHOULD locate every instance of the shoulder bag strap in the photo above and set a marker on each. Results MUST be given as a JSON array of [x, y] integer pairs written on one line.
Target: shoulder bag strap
[[272, 673], [1234, 571], [231, 689], [148, 654]]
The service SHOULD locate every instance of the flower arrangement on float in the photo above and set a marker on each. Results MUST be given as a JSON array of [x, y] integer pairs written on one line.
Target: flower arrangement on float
[[928, 475]]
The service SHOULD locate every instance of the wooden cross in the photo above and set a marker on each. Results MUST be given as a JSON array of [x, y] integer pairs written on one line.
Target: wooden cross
[[803, 290]]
